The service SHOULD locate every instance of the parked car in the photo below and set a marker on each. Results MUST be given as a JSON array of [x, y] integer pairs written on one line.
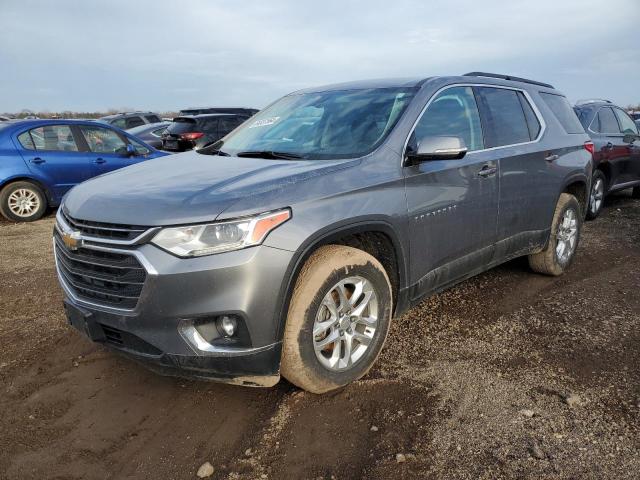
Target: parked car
[[4, 119], [290, 246], [129, 120], [151, 134], [196, 131], [616, 159], [40, 160], [234, 110]]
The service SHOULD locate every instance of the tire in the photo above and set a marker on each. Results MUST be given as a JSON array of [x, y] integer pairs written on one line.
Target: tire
[[635, 193], [13, 194], [597, 194], [305, 362], [566, 225]]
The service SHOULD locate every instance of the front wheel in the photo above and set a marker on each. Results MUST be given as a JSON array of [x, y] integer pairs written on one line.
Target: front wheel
[[564, 238], [338, 319], [22, 202]]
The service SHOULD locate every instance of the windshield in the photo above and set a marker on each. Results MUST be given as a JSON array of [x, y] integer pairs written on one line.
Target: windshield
[[325, 125]]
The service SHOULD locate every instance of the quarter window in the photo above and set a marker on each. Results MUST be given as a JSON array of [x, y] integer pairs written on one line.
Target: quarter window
[[605, 122], [103, 140], [453, 112], [53, 138], [563, 112], [532, 120], [505, 120], [26, 141], [626, 124]]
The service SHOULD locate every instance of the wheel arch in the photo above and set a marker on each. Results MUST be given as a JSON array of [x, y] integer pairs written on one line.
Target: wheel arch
[[25, 178], [344, 234], [578, 186]]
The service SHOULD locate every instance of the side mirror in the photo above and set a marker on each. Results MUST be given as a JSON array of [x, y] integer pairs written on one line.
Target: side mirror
[[629, 137], [437, 148], [131, 150]]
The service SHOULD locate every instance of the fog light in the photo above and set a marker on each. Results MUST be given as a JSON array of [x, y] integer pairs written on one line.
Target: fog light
[[227, 325]]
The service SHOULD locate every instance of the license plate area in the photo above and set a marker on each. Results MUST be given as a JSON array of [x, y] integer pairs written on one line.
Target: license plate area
[[83, 321]]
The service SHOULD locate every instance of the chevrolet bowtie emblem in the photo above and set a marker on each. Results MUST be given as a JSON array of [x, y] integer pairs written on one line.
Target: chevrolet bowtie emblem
[[73, 240]]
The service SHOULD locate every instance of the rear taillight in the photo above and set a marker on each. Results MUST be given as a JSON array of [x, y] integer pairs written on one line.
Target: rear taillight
[[192, 135], [589, 147]]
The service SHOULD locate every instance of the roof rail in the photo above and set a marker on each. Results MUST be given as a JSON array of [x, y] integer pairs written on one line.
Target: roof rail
[[584, 101], [506, 77]]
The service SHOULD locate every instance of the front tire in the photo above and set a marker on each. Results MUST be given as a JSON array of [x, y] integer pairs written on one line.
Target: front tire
[[596, 197], [22, 202], [338, 319], [563, 241]]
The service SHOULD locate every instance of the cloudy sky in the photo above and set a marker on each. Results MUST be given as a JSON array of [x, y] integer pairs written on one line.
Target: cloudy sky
[[164, 55]]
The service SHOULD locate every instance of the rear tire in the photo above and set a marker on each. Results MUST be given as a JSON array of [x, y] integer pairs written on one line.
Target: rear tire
[[635, 193], [563, 241], [338, 319], [597, 194], [22, 202]]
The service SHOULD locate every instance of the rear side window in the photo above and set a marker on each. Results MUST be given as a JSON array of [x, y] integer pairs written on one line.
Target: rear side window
[[120, 123], [227, 124], [605, 122], [53, 138], [452, 113], [563, 112], [182, 125], [152, 118], [505, 120], [626, 124], [134, 122]]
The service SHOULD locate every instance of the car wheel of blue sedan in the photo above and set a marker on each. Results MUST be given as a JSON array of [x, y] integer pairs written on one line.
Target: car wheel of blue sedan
[[22, 202]]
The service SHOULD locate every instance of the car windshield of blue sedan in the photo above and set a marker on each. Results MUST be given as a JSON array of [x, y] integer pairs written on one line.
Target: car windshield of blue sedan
[[316, 126]]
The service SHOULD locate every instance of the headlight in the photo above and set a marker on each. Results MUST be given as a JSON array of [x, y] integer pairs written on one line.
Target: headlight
[[198, 240]]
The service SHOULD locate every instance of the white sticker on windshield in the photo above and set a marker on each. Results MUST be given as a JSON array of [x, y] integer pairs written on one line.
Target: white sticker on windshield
[[264, 122]]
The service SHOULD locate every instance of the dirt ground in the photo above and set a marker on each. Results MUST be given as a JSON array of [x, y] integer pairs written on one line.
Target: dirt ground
[[508, 375]]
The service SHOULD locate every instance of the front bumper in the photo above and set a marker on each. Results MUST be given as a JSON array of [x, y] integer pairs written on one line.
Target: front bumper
[[246, 283]]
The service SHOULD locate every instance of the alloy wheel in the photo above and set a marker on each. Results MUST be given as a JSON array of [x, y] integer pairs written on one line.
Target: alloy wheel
[[23, 202], [345, 323], [567, 236], [597, 196]]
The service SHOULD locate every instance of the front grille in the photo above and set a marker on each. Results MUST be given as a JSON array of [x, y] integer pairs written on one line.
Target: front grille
[[101, 230], [112, 279]]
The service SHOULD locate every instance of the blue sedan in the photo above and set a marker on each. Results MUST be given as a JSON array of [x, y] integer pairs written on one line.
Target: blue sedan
[[40, 160]]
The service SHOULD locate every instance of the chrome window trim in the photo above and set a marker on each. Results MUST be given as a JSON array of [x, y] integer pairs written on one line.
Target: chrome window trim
[[62, 226], [534, 107]]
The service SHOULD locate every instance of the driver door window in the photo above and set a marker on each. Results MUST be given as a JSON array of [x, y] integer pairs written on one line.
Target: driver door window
[[453, 112], [103, 140]]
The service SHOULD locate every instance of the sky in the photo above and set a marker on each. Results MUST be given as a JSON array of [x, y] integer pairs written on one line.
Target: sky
[[162, 55]]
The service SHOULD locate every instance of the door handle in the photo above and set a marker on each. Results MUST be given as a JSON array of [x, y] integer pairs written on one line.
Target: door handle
[[552, 157], [99, 161], [38, 160], [608, 146], [487, 171]]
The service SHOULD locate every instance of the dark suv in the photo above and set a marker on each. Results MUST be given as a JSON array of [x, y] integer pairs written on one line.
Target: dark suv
[[131, 119], [196, 131], [288, 246], [616, 158], [234, 110]]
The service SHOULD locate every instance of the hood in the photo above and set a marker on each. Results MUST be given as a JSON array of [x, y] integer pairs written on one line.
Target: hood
[[188, 188]]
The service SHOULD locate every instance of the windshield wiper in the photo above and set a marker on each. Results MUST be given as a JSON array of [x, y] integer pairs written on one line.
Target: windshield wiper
[[269, 154]]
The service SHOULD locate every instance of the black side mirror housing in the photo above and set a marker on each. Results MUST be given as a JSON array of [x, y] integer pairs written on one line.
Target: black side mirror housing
[[131, 151], [629, 137], [437, 148]]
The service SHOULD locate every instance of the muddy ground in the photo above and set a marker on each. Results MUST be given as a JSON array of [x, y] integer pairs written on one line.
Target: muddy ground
[[508, 375]]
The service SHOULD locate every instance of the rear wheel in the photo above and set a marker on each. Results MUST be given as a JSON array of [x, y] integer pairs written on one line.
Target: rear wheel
[[596, 197], [338, 319], [22, 202], [564, 238]]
